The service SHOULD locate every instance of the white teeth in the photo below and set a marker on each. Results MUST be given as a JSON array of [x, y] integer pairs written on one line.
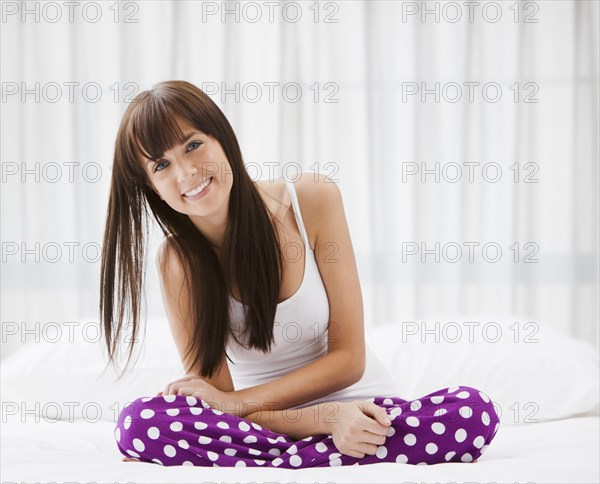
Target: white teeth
[[199, 189]]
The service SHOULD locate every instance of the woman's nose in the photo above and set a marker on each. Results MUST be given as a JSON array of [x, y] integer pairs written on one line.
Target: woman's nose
[[186, 171]]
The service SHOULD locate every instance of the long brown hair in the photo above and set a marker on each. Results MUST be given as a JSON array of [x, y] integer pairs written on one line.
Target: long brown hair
[[148, 129]]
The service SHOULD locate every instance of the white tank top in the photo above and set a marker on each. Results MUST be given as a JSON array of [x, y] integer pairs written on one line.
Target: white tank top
[[300, 336]]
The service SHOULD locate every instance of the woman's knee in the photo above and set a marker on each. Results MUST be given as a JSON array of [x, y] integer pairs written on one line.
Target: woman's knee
[[476, 404]]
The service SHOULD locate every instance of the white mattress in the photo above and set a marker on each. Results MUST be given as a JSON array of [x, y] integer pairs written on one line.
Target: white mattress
[[558, 451]]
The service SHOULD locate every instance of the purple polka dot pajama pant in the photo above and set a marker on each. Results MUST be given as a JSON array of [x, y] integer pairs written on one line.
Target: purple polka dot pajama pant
[[454, 424]]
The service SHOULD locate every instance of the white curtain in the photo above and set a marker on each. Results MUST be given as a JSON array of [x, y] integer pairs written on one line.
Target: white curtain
[[454, 131]]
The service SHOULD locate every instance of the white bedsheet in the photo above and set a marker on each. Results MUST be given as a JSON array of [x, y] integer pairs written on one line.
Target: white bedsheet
[[558, 451]]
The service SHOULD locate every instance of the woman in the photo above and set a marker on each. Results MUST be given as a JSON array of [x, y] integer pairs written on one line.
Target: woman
[[239, 278]]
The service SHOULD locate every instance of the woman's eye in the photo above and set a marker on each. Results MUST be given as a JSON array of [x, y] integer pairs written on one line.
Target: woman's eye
[[156, 165], [195, 144]]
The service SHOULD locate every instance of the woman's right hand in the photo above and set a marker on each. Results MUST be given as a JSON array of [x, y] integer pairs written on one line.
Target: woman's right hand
[[359, 427]]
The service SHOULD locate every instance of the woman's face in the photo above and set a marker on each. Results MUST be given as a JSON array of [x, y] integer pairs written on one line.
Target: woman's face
[[183, 170]]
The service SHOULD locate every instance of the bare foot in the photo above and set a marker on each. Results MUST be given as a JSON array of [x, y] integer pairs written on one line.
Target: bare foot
[[128, 459]]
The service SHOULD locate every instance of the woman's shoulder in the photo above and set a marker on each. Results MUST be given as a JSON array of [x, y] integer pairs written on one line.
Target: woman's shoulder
[[310, 188]]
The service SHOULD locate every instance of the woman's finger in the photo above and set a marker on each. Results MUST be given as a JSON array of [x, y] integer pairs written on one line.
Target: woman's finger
[[175, 384], [376, 416], [367, 437]]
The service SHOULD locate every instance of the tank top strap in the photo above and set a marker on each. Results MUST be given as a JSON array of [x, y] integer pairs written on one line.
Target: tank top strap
[[296, 208]]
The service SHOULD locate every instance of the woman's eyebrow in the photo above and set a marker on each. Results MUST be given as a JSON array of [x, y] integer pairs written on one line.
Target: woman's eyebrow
[[188, 136]]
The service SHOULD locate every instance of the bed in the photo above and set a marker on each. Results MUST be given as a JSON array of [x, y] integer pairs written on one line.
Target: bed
[[59, 409]]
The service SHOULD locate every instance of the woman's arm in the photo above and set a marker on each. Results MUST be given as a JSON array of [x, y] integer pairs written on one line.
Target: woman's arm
[[344, 364], [357, 427], [300, 423]]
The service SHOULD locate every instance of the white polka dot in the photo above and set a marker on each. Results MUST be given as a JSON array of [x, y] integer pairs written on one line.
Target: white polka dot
[[127, 422], [204, 404], [485, 418], [321, 447], [484, 448], [184, 444], [391, 431], [250, 439], [460, 435], [484, 397], [466, 457], [223, 425], [410, 439], [293, 449], [439, 412], [412, 421], [187, 463], [200, 425], [212, 455], [133, 453], [431, 448], [274, 451], [463, 395], [335, 462], [272, 441], [191, 401], [225, 438], [259, 461], [465, 412], [416, 405], [118, 434], [479, 441], [153, 433], [230, 452], [169, 451], [438, 428], [277, 462], [244, 426], [240, 463], [296, 461], [159, 462], [381, 452], [401, 459], [196, 410], [172, 412], [204, 440], [422, 463], [147, 413], [176, 426], [307, 439], [256, 426], [388, 401], [254, 451], [139, 445], [334, 455], [217, 412], [452, 389], [394, 412], [437, 399], [169, 398], [449, 455]]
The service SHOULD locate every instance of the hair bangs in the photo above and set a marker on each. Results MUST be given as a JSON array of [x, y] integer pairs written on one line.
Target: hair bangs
[[154, 127]]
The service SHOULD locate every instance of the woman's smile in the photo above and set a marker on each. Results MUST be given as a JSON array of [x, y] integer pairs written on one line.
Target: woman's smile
[[199, 191]]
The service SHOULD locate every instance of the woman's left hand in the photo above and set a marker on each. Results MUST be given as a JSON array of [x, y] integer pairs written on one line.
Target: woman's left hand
[[194, 386]]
